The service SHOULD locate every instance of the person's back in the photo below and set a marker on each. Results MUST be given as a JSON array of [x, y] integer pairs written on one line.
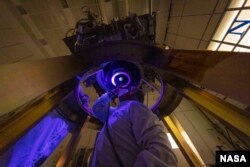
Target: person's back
[[137, 138]]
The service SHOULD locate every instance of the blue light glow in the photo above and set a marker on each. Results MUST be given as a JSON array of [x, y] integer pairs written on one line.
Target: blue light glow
[[120, 79], [33, 148], [122, 76]]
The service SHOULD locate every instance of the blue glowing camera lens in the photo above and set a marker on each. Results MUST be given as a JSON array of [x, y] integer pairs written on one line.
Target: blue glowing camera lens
[[122, 79]]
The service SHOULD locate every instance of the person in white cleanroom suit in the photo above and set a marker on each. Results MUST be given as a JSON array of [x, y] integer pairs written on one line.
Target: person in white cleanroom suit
[[131, 136]]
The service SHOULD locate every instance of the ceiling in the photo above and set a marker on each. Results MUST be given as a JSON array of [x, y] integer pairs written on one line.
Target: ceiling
[[35, 29]]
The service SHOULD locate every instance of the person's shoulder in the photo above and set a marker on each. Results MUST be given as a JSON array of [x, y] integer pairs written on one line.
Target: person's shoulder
[[137, 104], [134, 102], [137, 109]]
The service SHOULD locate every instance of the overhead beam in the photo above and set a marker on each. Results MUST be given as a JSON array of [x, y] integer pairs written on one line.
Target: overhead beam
[[223, 72], [24, 81]]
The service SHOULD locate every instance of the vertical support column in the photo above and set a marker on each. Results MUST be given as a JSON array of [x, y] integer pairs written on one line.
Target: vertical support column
[[102, 10], [126, 8], [150, 7], [187, 151]]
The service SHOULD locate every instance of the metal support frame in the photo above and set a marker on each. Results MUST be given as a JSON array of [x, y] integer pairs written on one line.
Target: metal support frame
[[14, 128], [29, 90], [187, 151], [102, 10], [24, 81], [222, 110], [68, 153], [224, 72], [150, 7]]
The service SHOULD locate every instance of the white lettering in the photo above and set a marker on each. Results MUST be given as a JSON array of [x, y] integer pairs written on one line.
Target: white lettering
[[230, 158], [243, 159], [236, 158], [223, 158]]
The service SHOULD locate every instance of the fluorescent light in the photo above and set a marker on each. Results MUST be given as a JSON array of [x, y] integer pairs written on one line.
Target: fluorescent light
[[191, 145], [167, 47], [233, 34], [225, 47], [213, 46], [236, 3], [224, 25], [172, 142], [240, 49], [248, 3]]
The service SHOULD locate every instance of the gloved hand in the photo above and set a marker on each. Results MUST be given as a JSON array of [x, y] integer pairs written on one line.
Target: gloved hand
[[113, 93], [130, 90], [122, 92]]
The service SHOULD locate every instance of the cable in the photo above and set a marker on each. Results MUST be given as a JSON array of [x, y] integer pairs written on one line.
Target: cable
[[230, 139], [226, 136]]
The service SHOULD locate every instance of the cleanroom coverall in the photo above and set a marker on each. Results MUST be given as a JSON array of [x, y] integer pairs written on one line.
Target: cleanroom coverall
[[137, 136]]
